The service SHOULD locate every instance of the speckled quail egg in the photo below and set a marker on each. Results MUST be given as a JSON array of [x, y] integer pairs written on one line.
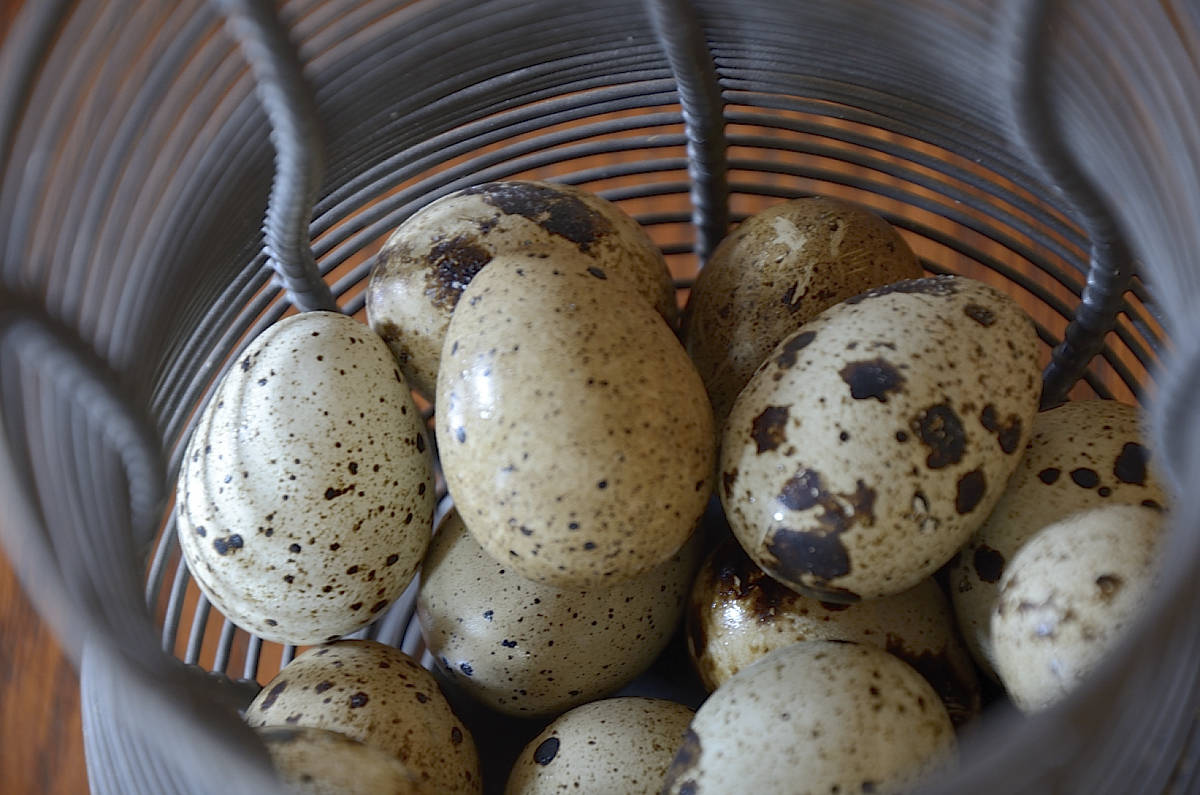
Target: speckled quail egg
[[377, 695], [1068, 597], [322, 762], [873, 441], [530, 649], [431, 258], [813, 718], [617, 745], [574, 432], [305, 496], [738, 614], [1081, 455], [777, 271]]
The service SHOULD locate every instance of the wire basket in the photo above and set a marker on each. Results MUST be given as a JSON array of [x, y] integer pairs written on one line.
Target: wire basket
[[1048, 148]]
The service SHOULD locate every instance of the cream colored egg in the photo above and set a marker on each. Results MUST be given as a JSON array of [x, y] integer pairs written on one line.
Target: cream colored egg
[[574, 433], [738, 614], [431, 258], [872, 443], [814, 718], [618, 745], [775, 272], [1081, 455], [525, 648], [1068, 598], [321, 762], [377, 695], [305, 496]]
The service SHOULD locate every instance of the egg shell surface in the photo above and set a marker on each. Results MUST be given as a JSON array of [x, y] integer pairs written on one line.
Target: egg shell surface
[[305, 497], [321, 762], [814, 718], [525, 648], [430, 259], [873, 441], [574, 433]]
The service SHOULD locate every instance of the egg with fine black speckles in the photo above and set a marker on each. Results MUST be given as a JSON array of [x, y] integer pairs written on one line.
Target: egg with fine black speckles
[[775, 272], [1068, 598], [574, 432], [1083, 454], [813, 718], [430, 259], [873, 441], [738, 614], [305, 497], [616, 745], [379, 696], [525, 648], [321, 762]]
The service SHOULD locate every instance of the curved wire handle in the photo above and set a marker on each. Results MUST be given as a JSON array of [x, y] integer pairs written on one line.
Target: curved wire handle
[[678, 31], [1111, 268], [295, 133]]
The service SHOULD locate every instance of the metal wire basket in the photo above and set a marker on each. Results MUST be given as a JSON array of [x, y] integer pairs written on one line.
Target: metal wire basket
[[1047, 147]]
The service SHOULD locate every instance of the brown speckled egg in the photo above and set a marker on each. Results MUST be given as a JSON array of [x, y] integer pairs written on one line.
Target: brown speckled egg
[[321, 762], [305, 497], [530, 649], [618, 745], [574, 433], [377, 695], [1081, 455], [738, 614], [431, 258], [1068, 598], [873, 441], [814, 718], [775, 272]]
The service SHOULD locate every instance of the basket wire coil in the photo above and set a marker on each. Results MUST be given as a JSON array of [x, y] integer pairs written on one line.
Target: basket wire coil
[[1060, 132]]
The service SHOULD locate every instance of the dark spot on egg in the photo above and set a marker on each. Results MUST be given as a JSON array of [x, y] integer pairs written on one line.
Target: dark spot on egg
[[989, 564], [460, 433], [1085, 478], [956, 685], [931, 285], [272, 694], [874, 378], [727, 481], [451, 265], [599, 274], [333, 493], [941, 431], [466, 668], [226, 545], [791, 347], [1008, 433], [971, 488], [200, 531], [420, 442], [391, 560], [1049, 475], [272, 622], [456, 735], [357, 700], [1130, 466], [558, 212], [321, 687], [980, 314], [819, 554], [769, 429], [382, 603], [1109, 584]]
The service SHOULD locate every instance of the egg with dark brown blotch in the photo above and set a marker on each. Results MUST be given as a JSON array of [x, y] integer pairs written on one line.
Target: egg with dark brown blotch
[[873, 441], [816, 717], [430, 259], [1069, 597], [321, 762], [380, 696], [525, 648], [305, 495], [779, 269], [1081, 455], [617, 745], [574, 432], [737, 614]]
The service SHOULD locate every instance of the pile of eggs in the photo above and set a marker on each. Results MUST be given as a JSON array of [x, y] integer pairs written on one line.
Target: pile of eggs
[[900, 517]]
